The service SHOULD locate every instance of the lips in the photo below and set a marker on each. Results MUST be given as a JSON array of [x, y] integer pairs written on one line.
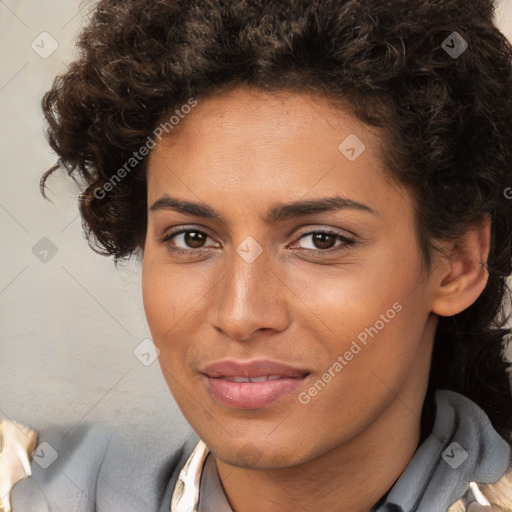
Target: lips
[[251, 384], [263, 378], [252, 369]]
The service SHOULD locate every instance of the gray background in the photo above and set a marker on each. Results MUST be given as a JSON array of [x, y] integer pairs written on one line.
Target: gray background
[[69, 325]]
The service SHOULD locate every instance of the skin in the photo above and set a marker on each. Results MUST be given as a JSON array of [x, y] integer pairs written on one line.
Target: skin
[[242, 153]]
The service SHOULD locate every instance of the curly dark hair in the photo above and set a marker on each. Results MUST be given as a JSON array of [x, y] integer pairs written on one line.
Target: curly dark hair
[[445, 121]]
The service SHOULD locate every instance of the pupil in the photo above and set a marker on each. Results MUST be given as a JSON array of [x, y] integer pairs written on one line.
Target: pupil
[[320, 240], [194, 239]]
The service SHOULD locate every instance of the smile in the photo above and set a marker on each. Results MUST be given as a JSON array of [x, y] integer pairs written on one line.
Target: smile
[[251, 384], [253, 379], [252, 393]]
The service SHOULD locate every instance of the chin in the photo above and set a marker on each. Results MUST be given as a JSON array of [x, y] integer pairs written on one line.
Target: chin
[[258, 454]]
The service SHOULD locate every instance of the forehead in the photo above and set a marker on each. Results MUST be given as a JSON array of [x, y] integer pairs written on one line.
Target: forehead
[[263, 116], [264, 146]]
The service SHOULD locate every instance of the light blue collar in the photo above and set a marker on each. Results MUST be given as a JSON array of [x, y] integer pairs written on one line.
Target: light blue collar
[[462, 448]]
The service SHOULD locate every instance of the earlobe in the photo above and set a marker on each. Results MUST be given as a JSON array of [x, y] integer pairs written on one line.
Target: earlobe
[[462, 273]]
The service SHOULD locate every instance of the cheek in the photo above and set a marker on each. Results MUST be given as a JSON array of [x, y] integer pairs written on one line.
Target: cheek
[[370, 359], [348, 299], [172, 294], [174, 300], [164, 308], [161, 308], [156, 294], [372, 315]]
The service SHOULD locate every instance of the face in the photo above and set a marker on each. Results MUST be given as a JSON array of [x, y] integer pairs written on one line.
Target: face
[[282, 278]]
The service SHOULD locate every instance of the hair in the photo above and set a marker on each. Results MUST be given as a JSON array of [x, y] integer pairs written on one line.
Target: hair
[[445, 122]]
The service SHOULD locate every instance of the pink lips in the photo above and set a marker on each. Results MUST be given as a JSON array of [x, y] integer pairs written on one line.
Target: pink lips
[[251, 384]]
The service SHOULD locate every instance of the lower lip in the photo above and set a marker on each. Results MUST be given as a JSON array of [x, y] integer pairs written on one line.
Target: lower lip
[[252, 395]]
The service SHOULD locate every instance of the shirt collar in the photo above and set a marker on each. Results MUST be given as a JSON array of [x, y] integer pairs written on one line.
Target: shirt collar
[[462, 449], [185, 497]]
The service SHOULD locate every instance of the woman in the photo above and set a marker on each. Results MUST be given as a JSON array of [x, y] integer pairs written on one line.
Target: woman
[[320, 192]]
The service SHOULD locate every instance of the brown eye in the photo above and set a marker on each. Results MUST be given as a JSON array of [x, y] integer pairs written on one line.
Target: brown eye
[[194, 239], [322, 241], [186, 242]]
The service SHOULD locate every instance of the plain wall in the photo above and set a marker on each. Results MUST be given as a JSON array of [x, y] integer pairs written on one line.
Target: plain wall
[[68, 326]]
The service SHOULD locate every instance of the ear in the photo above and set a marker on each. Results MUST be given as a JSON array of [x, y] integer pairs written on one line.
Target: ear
[[461, 273]]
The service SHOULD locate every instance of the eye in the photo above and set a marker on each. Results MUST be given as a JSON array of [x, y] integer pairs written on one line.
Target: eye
[[186, 241], [323, 241]]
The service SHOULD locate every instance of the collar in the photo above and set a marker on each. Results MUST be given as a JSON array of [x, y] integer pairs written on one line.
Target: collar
[[17, 442], [185, 497], [462, 450]]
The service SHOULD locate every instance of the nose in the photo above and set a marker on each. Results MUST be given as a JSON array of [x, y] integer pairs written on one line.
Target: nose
[[251, 297]]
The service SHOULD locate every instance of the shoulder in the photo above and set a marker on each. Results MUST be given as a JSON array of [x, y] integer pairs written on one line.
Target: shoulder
[[16, 443], [487, 497], [63, 467], [89, 467], [490, 484]]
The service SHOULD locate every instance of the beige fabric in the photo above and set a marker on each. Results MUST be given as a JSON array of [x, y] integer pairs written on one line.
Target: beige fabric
[[185, 497], [17, 442], [495, 497]]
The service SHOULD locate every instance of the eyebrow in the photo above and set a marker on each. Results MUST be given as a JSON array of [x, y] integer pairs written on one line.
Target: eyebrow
[[277, 213]]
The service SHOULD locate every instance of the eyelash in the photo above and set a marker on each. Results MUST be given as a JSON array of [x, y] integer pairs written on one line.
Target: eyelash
[[347, 242]]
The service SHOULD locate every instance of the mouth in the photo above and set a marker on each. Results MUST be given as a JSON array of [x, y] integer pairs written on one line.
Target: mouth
[[252, 379], [251, 384]]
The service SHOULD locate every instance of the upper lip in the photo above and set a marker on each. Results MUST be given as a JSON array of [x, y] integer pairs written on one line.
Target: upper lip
[[254, 368]]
